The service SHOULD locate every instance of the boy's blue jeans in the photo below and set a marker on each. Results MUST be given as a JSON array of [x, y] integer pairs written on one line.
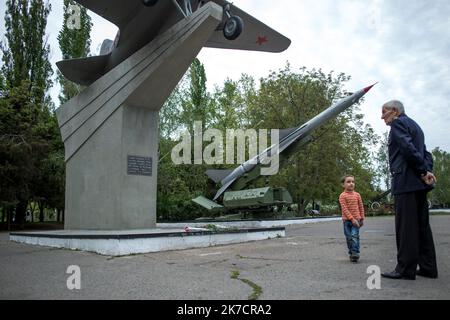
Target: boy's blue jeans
[[352, 235]]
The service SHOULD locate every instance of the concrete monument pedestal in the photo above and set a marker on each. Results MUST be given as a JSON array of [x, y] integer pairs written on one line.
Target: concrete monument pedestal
[[122, 243], [110, 130]]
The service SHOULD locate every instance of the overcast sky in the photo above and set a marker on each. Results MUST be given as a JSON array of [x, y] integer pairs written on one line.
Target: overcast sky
[[402, 44]]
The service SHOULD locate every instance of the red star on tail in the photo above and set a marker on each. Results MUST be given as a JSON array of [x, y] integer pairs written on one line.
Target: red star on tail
[[261, 40]]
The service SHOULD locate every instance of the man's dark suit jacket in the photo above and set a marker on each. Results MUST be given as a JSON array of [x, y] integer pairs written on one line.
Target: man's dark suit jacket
[[408, 156]]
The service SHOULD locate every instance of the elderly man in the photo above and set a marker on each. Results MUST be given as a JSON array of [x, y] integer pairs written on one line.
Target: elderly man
[[411, 167]]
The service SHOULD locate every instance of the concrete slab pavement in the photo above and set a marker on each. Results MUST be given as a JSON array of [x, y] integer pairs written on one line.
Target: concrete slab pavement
[[310, 263]]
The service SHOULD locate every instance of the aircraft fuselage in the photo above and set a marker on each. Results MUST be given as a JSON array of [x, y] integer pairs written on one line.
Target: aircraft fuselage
[[142, 29]]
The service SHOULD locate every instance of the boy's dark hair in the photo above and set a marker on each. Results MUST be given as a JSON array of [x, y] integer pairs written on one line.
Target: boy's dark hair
[[346, 176]]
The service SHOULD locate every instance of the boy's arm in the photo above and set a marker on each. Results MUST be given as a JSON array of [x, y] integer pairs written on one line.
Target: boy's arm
[[361, 207], [345, 211]]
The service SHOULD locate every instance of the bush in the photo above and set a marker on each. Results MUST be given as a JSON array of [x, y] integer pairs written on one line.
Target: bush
[[382, 211]]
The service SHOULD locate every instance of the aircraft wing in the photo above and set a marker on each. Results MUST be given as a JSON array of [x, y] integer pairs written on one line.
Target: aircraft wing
[[118, 12], [256, 36], [83, 71]]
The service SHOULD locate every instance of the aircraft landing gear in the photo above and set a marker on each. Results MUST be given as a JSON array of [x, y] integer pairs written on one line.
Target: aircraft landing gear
[[149, 3], [233, 28], [233, 25]]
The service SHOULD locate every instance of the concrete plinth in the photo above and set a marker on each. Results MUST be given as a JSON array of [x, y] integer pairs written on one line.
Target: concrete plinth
[[101, 194], [110, 130], [120, 243]]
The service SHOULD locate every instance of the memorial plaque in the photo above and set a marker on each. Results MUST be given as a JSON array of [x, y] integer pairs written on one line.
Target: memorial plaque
[[139, 166]]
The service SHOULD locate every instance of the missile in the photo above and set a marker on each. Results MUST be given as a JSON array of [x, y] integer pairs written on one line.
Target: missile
[[290, 140]]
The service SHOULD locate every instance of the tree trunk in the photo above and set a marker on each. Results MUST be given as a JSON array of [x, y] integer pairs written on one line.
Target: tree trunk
[[58, 215], [20, 214], [301, 207], [33, 210], [41, 211], [8, 217]]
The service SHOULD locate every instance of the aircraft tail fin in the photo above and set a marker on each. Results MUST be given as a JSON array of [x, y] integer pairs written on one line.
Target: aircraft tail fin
[[83, 71]]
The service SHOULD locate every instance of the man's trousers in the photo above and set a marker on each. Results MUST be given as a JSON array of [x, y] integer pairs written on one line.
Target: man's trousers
[[415, 244]]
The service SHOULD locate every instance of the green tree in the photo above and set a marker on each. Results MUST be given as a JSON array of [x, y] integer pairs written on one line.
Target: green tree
[[26, 53], [24, 145], [74, 43], [170, 115], [441, 194], [382, 160], [2, 85], [178, 184], [230, 111], [196, 104], [229, 106], [25, 107]]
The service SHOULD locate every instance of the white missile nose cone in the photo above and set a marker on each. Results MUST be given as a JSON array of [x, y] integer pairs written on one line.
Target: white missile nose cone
[[368, 88]]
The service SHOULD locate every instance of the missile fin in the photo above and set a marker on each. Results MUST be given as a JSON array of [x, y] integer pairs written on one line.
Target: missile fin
[[218, 175], [223, 189]]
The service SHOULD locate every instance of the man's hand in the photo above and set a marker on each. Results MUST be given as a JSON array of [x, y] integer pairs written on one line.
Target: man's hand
[[361, 223], [355, 223], [429, 179]]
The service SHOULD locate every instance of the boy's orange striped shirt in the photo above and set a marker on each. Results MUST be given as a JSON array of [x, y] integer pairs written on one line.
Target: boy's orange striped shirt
[[351, 205]]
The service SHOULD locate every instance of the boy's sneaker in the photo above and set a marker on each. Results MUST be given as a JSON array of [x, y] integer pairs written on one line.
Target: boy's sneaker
[[354, 258]]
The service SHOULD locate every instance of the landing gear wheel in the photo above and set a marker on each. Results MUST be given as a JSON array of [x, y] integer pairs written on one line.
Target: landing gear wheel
[[149, 3], [233, 28]]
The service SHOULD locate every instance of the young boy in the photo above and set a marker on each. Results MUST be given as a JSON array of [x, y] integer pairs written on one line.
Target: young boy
[[352, 215]]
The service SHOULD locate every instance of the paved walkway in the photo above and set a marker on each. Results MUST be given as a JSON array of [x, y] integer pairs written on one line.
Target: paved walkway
[[310, 263]]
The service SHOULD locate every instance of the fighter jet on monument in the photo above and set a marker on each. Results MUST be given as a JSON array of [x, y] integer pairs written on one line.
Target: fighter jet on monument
[[141, 21]]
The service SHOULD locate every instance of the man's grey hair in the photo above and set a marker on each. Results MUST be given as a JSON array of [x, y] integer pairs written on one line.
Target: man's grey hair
[[395, 104]]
